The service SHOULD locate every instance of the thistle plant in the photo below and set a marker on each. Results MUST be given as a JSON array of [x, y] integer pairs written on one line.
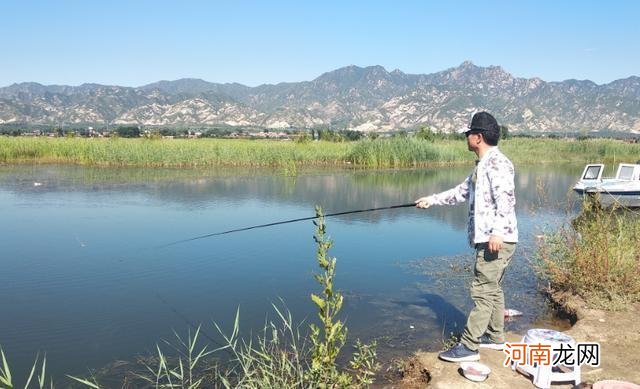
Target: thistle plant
[[328, 339]]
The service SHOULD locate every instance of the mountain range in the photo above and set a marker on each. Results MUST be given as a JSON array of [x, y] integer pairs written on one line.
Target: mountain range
[[352, 97]]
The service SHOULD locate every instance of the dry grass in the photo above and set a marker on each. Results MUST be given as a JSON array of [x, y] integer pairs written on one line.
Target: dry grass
[[596, 256]]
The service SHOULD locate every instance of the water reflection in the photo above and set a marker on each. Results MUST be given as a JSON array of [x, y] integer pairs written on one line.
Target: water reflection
[[83, 279], [335, 191]]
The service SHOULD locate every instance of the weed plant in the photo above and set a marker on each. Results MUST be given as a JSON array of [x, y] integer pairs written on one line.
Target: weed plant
[[6, 379], [328, 338], [596, 256]]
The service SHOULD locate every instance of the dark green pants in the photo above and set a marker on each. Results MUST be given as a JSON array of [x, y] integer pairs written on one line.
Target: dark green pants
[[486, 291]]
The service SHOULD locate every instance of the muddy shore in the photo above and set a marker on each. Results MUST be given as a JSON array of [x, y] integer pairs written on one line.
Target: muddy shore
[[618, 334]]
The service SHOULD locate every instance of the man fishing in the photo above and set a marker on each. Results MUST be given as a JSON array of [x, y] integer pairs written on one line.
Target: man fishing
[[492, 231]]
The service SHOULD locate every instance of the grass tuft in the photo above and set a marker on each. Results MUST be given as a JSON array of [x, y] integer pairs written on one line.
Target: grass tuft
[[596, 256]]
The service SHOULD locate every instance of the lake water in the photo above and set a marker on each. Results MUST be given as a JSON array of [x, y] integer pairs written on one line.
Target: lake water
[[82, 277]]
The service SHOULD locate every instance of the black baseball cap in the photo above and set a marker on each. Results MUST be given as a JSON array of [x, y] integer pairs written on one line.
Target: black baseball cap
[[481, 121]]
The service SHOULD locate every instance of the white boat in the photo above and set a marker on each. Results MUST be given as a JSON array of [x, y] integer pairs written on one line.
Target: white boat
[[622, 190]]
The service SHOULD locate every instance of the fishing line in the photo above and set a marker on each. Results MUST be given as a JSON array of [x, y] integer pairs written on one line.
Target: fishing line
[[285, 222], [191, 324]]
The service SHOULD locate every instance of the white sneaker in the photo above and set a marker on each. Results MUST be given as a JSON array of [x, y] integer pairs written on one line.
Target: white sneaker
[[491, 346]]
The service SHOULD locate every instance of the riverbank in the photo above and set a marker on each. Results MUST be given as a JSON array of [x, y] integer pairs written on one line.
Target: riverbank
[[617, 332], [397, 152], [590, 263]]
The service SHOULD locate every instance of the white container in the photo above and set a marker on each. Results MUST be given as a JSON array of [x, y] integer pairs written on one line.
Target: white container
[[475, 371]]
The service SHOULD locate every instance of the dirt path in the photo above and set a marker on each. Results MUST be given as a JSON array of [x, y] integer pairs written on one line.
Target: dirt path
[[617, 332]]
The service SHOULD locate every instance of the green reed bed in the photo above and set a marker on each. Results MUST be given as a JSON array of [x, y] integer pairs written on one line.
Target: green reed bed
[[527, 150], [168, 153], [398, 152], [407, 152], [383, 153]]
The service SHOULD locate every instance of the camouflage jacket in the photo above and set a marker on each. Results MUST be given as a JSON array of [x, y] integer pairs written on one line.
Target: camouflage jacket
[[490, 190]]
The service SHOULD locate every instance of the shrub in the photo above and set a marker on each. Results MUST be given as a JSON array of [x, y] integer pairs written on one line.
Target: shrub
[[596, 256]]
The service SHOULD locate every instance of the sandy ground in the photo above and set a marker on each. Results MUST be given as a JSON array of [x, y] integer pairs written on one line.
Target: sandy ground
[[617, 332]]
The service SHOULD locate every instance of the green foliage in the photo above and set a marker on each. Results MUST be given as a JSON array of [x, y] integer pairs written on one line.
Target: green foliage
[[277, 359], [406, 152], [401, 134], [186, 372], [451, 341], [504, 132], [328, 339], [426, 133], [86, 382], [364, 363], [329, 135], [352, 135], [6, 379], [168, 132], [396, 152], [153, 135], [303, 137], [118, 151], [595, 256], [290, 169], [128, 131]]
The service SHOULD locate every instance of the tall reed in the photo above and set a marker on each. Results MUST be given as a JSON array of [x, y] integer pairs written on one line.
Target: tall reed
[[406, 152], [169, 153], [397, 152]]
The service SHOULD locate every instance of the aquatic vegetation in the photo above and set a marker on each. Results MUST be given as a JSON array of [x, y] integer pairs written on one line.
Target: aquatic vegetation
[[540, 150], [406, 152], [169, 153], [396, 152]]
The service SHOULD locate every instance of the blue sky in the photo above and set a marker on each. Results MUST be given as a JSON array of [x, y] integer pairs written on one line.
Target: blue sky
[[136, 42]]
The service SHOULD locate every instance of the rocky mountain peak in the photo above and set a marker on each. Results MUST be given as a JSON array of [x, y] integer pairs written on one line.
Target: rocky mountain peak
[[362, 98], [183, 85], [469, 73], [353, 74]]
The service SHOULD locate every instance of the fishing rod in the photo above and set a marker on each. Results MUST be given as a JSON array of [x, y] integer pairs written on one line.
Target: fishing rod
[[286, 222]]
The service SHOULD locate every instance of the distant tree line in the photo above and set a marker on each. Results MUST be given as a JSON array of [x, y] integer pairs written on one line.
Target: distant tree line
[[330, 135], [128, 131], [424, 132]]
